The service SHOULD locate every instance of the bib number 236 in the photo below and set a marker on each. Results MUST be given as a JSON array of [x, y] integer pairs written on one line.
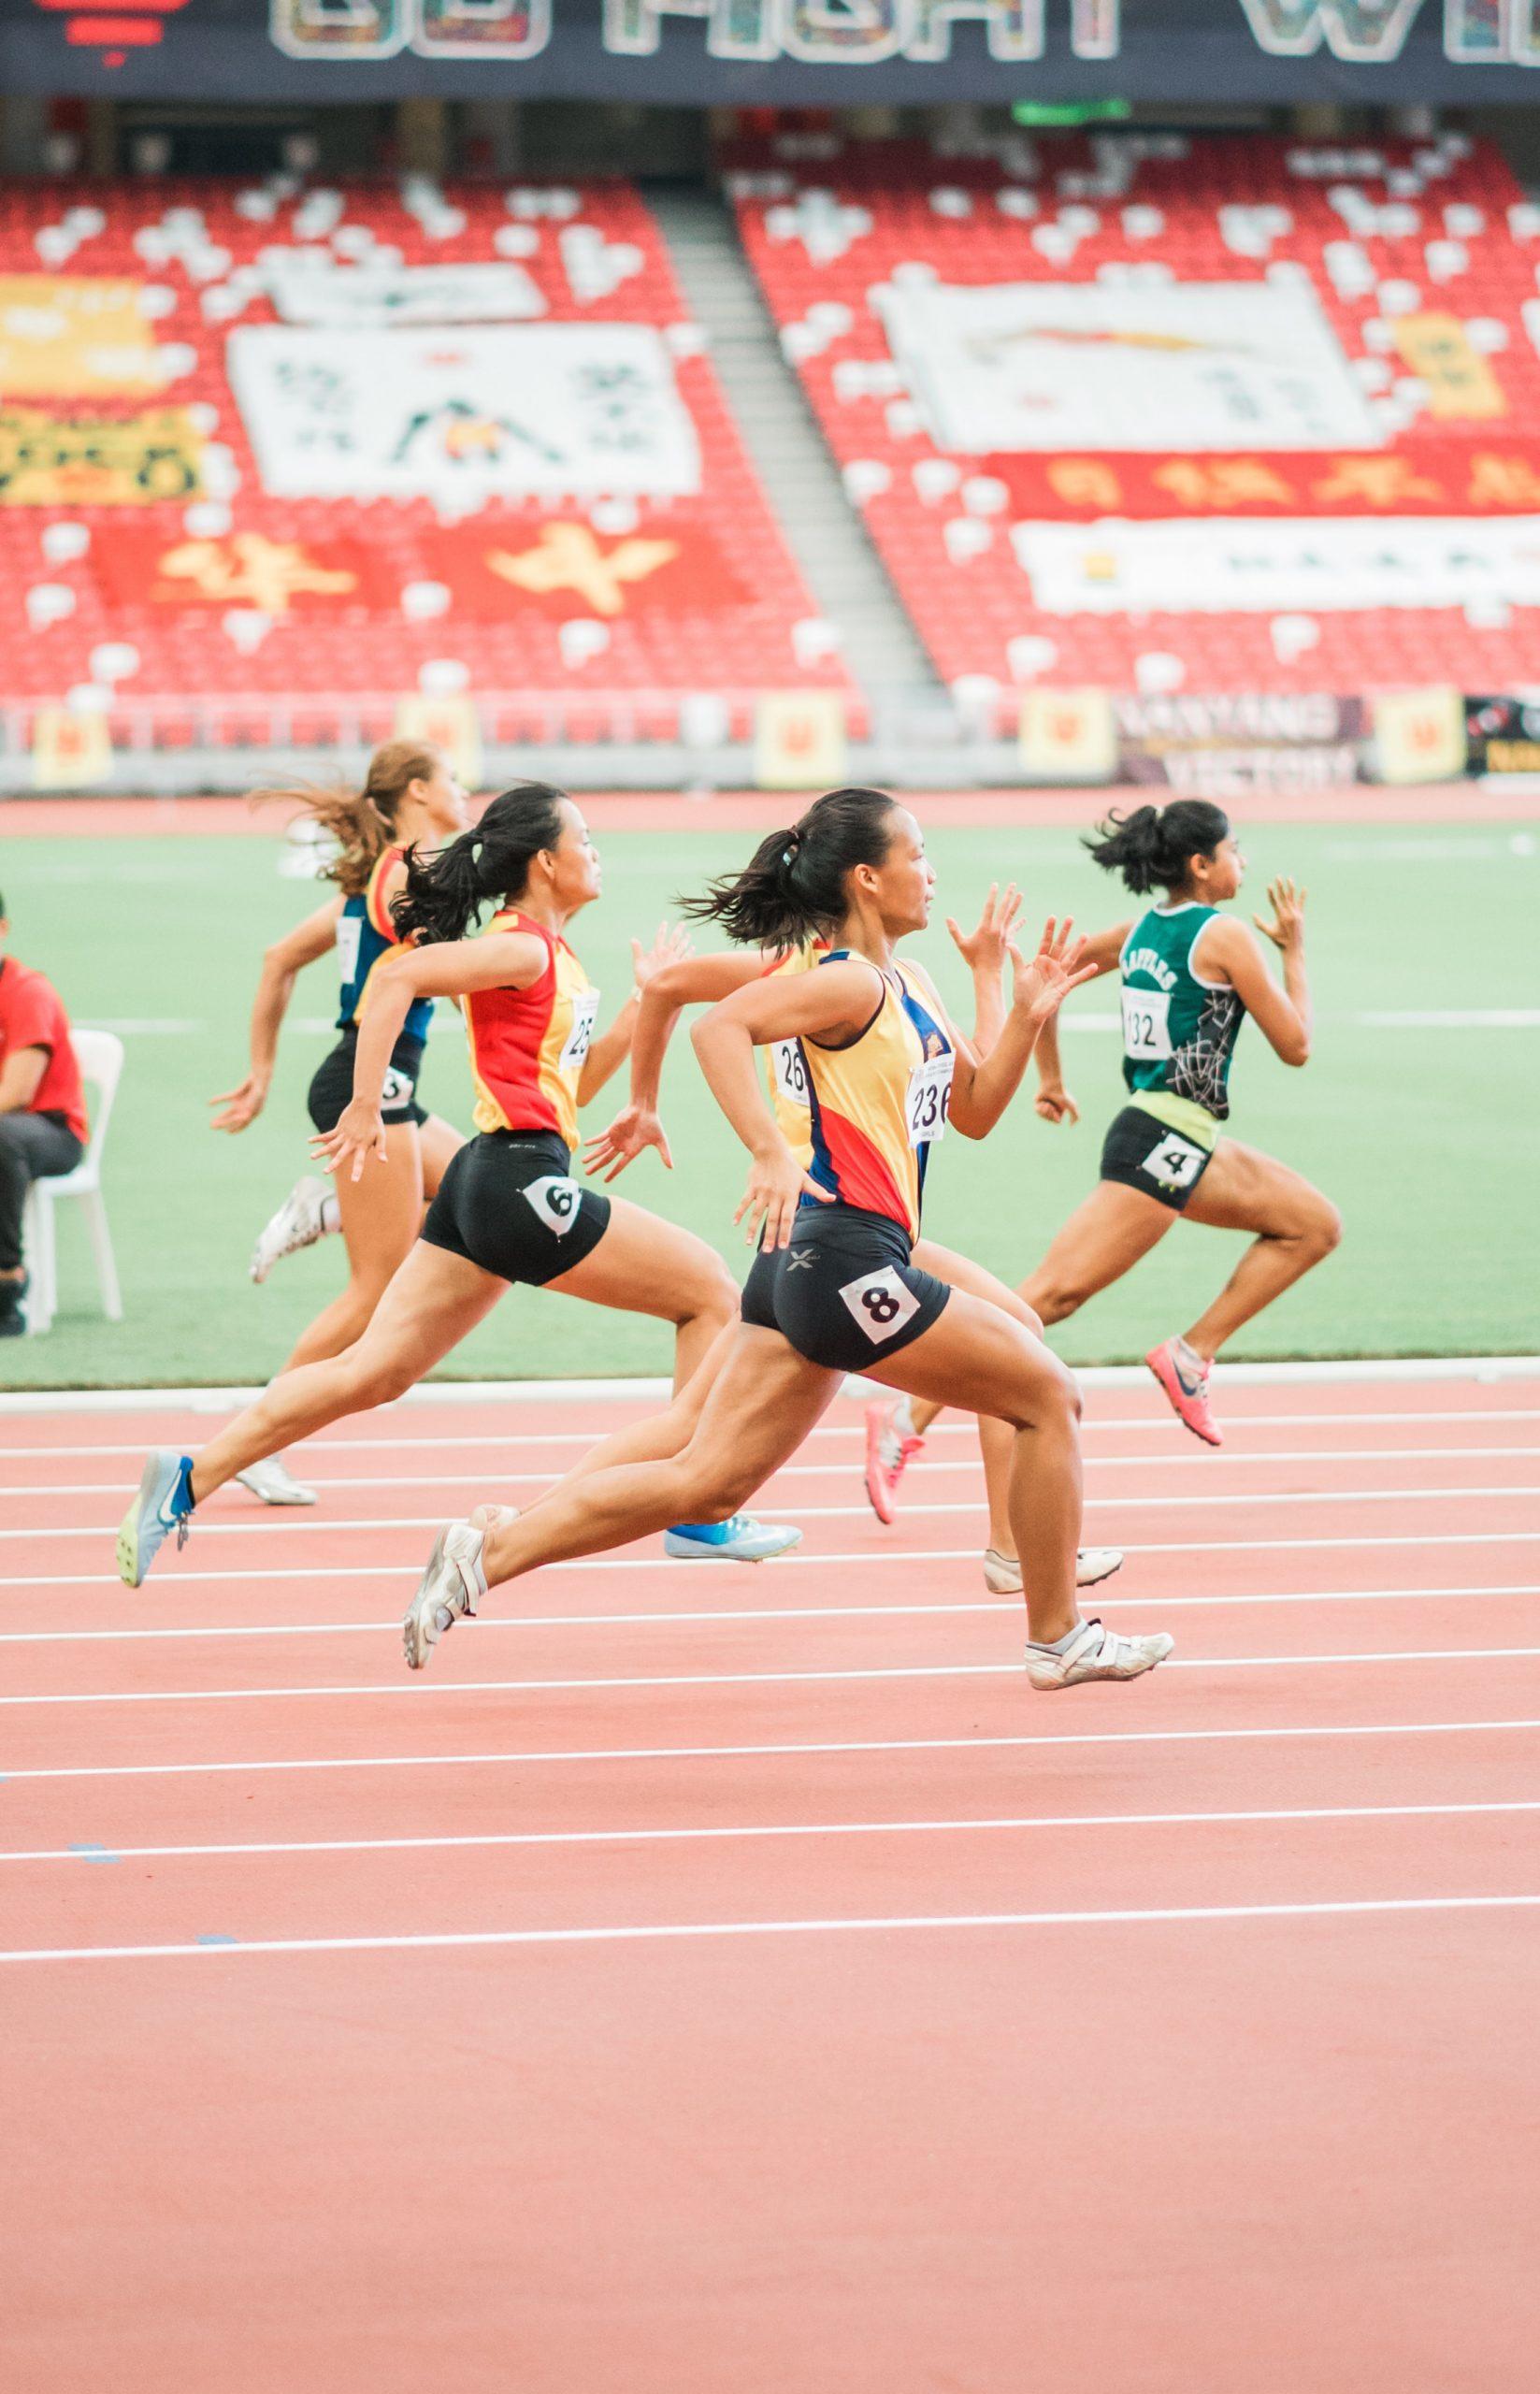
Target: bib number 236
[[881, 1302], [928, 1098]]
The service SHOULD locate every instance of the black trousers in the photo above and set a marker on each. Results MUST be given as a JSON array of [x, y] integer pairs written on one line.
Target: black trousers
[[31, 1145]]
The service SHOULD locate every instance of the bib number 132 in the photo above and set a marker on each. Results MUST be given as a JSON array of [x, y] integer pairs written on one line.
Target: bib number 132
[[1146, 1025]]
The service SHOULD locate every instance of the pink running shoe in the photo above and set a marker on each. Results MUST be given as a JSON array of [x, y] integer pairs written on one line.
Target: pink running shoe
[[889, 1453], [1188, 1389]]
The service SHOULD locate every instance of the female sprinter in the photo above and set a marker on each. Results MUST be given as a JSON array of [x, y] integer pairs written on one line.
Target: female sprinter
[[506, 1209], [704, 980], [834, 1286], [408, 796], [1190, 975]]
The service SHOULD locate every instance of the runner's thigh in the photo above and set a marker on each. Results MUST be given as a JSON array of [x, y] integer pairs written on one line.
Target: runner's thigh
[[983, 1361], [643, 1265], [1244, 1189], [961, 1272]]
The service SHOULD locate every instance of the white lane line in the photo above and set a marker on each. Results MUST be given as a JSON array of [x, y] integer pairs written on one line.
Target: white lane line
[[951, 1465], [418, 1689], [795, 1562], [299, 1518], [788, 1829], [639, 1933], [738, 1613], [523, 1759], [1153, 1421]]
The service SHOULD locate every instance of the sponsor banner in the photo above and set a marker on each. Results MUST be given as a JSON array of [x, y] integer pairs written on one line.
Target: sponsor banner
[[1182, 366], [1068, 736], [1233, 743], [1235, 565], [311, 289], [70, 750], [242, 570], [1502, 735], [564, 567], [1419, 735], [557, 412], [1460, 383], [1448, 477], [450, 723], [698, 53], [799, 740], [75, 337], [50, 460]]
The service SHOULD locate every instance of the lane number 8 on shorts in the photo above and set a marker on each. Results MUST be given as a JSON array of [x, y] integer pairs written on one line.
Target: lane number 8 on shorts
[[881, 1302]]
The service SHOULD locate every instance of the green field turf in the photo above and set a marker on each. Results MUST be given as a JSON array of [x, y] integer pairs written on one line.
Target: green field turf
[[1426, 1136]]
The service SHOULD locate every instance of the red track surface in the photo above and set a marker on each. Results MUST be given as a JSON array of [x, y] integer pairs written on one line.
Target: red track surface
[[738, 1980]]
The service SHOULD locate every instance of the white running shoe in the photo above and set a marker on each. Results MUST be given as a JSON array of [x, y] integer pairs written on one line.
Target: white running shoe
[[453, 1585], [272, 1482], [299, 1222], [1096, 1653], [1002, 1572]]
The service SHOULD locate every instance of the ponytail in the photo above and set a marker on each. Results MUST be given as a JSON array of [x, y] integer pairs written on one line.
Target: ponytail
[[361, 824], [446, 889], [794, 885], [1151, 848]]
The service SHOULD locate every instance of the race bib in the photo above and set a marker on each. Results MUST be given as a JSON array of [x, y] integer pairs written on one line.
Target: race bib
[[580, 1038], [1146, 1025], [790, 1067], [395, 1090], [556, 1199], [928, 1098], [348, 930], [1175, 1163], [881, 1302]]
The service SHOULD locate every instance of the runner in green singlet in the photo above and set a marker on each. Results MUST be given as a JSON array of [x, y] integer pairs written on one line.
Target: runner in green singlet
[[1190, 974]]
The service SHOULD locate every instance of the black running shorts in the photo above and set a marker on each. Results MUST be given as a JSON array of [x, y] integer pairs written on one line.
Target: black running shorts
[[509, 1203], [1146, 1154], [845, 1292], [331, 1089]]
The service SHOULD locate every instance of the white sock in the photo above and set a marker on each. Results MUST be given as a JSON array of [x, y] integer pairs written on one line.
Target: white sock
[[1058, 1645], [1189, 1355], [902, 1421], [331, 1215]]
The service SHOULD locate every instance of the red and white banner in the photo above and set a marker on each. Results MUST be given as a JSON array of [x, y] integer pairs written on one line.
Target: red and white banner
[[1490, 475]]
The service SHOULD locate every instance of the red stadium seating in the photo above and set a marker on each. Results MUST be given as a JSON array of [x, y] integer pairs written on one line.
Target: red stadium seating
[[1403, 230], [84, 580]]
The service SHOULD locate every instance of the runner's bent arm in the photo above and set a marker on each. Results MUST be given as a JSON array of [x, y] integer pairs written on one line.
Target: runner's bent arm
[[1053, 1101], [694, 980], [282, 963], [983, 1088], [1233, 953]]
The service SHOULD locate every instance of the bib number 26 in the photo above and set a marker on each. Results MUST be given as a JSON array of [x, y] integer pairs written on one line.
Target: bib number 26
[[881, 1302]]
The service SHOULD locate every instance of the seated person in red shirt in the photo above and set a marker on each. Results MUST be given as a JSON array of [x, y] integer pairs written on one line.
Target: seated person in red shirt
[[42, 1111]]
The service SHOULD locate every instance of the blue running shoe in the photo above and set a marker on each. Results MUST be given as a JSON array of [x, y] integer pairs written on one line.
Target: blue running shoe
[[164, 1504], [740, 1540]]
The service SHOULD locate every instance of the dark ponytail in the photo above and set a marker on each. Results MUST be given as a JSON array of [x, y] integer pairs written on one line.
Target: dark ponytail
[[447, 889], [794, 885], [1151, 846]]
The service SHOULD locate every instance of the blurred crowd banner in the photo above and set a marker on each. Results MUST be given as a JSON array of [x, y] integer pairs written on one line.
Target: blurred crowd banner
[[778, 52]]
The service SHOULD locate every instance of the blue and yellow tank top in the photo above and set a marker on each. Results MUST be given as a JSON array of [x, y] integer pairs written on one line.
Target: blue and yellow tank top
[[877, 1105], [1179, 1031], [365, 937]]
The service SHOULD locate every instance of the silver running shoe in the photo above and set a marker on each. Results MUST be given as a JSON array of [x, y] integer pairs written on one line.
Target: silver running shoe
[[1096, 1653], [299, 1222], [272, 1482], [1002, 1572], [453, 1585]]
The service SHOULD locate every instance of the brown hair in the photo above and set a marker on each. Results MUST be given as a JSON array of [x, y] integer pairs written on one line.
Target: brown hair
[[362, 823]]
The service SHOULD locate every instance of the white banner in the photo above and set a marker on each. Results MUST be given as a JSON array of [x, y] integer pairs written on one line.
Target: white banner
[[1087, 367], [1317, 566], [307, 289], [557, 412]]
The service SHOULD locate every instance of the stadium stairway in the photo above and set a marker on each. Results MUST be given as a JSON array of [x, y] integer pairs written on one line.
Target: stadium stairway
[[849, 584]]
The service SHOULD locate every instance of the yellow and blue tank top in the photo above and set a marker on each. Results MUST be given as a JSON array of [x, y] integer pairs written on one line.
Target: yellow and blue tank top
[[788, 1070], [1179, 1031], [364, 938], [877, 1105]]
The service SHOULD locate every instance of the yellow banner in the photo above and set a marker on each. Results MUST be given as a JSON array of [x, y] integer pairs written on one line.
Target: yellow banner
[[1068, 736], [451, 724], [799, 740], [1460, 381], [98, 461], [75, 337], [70, 751], [1419, 735]]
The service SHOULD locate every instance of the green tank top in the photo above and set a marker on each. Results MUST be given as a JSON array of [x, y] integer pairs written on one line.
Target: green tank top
[[1178, 1030]]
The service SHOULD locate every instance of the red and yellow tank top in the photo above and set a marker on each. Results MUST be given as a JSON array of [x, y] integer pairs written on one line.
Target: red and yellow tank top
[[527, 1045], [878, 1105]]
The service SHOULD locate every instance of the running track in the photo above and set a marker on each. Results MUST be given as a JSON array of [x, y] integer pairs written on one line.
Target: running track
[[722, 1982]]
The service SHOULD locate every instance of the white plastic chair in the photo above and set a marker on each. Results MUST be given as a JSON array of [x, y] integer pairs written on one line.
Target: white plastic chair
[[100, 1057]]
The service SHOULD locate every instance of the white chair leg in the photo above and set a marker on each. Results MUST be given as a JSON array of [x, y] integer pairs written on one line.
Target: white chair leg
[[43, 1296], [32, 1257], [101, 1247]]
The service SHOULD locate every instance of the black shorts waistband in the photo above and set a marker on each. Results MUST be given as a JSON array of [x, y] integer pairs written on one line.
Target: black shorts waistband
[[840, 1225]]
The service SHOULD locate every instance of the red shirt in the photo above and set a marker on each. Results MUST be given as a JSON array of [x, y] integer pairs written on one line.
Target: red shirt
[[32, 1015]]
